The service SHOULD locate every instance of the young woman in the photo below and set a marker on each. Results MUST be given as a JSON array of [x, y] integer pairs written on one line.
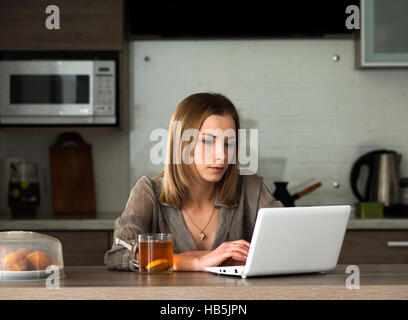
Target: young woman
[[205, 203]]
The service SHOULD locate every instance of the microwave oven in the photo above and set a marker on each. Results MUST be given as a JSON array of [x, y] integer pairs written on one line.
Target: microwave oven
[[58, 92]]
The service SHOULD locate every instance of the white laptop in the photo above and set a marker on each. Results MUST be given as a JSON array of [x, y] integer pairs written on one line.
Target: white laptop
[[293, 240]]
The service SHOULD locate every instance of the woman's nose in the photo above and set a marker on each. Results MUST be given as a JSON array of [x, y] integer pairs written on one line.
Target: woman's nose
[[220, 154]]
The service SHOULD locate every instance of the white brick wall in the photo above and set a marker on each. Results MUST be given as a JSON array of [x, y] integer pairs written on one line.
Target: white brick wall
[[315, 116]]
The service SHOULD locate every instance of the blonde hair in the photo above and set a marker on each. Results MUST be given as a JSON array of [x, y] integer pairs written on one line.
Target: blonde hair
[[191, 113]]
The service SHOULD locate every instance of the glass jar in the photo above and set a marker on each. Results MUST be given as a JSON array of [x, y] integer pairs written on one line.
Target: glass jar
[[23, 190]]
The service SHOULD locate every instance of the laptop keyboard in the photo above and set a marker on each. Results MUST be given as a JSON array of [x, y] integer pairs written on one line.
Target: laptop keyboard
[[232, 269]]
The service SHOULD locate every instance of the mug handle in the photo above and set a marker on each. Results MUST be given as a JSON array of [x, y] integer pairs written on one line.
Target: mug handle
[[133, 263]]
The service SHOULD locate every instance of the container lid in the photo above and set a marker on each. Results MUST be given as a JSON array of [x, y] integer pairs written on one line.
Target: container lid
[[26, 255]]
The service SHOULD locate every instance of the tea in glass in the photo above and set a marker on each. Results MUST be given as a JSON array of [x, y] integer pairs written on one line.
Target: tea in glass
[[155, 253]]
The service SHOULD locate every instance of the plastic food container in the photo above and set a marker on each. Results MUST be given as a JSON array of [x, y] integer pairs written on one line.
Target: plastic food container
[[26, 255]]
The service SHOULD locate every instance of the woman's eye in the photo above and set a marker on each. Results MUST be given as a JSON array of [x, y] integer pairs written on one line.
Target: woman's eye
[[209, 142]]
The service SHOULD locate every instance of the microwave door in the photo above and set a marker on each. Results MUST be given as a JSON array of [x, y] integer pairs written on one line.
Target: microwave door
[[50, 95], [46, 92]]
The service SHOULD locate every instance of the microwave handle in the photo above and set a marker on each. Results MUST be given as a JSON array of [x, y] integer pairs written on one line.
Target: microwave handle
[[398, 244]]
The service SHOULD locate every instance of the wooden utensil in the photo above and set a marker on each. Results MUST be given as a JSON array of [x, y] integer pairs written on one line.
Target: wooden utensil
[[281, 193], [308, 190], [72, 177]]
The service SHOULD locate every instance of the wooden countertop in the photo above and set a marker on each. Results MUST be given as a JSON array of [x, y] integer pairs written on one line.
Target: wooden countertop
[[383, 281]]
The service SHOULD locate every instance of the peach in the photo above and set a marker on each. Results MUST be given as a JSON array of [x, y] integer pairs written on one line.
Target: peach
[[38, 260], [22, 252], [14, 262]]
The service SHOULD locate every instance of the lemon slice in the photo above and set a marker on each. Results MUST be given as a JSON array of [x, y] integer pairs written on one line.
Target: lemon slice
[[158, 265], [24, 184], [15, 193]]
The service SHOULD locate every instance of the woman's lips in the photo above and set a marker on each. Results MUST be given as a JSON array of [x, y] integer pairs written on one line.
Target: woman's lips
[[217, 169]]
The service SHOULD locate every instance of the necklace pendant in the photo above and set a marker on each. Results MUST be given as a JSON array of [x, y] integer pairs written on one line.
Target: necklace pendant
[[201, 235]]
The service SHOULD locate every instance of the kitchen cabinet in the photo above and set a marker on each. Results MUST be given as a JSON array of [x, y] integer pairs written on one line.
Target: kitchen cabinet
[[84, 25], [88, 247], [83, 248], [383, 41], [368, 247]]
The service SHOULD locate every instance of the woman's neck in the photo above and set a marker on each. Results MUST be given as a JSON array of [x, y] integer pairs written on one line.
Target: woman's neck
[[199, 195]]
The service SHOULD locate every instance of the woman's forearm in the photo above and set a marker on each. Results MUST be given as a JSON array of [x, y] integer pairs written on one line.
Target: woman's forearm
[[186, 262], [196, 253]]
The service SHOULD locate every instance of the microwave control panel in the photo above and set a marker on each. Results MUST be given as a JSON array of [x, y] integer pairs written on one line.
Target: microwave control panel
[[104, 88]]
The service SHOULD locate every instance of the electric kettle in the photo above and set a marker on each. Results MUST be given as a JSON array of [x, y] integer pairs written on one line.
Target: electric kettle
[[383, 177]]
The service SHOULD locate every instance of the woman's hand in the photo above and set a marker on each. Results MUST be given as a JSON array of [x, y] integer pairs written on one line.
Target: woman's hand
[[232, 262], [237, 250]]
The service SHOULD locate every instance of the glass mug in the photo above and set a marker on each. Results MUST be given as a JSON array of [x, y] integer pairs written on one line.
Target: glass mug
[[154, 253], [23, 189]]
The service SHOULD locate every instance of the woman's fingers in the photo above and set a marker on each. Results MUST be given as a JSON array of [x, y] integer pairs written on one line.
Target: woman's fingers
[[239, 250], [241, 242], [229, 250], [239, 246], [239, 257]]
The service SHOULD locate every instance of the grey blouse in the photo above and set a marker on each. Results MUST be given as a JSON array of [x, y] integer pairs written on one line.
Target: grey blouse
[[144, 213]]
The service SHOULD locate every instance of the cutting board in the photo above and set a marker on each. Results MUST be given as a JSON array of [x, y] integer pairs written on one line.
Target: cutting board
[[72, 177]]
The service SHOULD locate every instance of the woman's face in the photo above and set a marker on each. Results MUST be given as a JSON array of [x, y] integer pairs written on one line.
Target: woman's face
[[215, 147]]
